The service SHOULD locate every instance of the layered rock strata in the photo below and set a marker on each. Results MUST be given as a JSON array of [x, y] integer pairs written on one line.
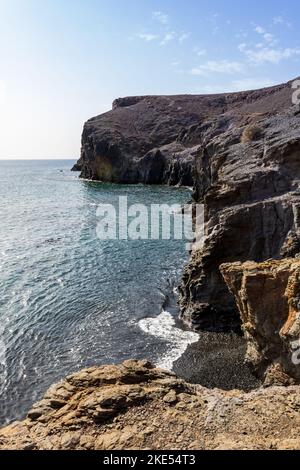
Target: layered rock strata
[[268, 298]]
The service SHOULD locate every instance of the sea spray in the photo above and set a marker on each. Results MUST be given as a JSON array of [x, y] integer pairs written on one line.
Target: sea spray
[[164, 327]]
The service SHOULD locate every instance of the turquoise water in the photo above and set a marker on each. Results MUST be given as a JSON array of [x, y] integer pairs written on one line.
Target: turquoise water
[[67, 299]]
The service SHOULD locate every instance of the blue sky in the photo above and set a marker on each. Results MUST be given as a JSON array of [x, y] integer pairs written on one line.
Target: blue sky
[[64, 61]]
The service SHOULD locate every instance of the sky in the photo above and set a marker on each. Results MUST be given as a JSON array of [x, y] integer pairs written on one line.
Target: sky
[[64, 61]]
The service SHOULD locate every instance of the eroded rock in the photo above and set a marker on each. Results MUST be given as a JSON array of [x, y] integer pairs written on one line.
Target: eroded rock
[[268, 298], [248, 186], [156, 410]]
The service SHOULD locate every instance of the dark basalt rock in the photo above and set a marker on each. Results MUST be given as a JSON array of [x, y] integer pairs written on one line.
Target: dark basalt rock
[[77, 166], [154, 139], [252, 212]]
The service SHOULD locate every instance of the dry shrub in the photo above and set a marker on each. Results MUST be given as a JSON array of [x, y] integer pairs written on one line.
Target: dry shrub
[[250, 134]]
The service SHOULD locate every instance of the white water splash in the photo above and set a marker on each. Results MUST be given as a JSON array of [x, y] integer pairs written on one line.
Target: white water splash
[[163, 327], [25, 298], [3, 363]]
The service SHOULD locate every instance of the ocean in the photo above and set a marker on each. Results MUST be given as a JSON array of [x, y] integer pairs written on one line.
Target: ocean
[[69, 300]]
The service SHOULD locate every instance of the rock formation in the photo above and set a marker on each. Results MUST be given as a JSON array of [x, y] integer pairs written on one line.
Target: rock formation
[[250, 191], [268, 298], [155, 139], [134, 406], [240, 151], [77, 166]]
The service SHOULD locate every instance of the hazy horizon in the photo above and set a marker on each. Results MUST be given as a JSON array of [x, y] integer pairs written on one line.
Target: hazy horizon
[[36, 159], [65, 61]]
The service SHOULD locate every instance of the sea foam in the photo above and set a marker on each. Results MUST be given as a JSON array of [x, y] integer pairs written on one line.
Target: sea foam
[[164, 327]]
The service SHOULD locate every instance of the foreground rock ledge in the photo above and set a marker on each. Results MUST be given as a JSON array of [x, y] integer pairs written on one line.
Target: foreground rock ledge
[[135, 406], [268, 298]]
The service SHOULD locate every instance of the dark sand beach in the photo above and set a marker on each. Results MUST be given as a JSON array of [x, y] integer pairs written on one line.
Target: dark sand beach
[[217, 360]]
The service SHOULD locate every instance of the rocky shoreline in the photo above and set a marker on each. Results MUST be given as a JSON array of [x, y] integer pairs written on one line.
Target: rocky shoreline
[[137, 406], [241, 152], [245, 154]]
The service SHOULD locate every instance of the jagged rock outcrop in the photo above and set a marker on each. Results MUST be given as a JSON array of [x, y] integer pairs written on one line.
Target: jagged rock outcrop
[[268, 298], [134, 406], [155, 139], [77, 166], [250, 191]]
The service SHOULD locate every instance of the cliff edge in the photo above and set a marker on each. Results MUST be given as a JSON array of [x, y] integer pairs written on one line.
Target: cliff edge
[[156, 139]]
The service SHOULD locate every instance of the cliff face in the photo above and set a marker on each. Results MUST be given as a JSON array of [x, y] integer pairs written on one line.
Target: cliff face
[[156, 139], [134, 406], [250, 190], [268, 298]]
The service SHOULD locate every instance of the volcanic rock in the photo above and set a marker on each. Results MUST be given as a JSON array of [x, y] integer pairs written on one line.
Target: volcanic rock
[[250, 193], [156, 139]]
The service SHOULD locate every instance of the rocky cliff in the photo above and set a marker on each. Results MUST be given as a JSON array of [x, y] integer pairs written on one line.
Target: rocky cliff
[[248, 180], [156, 139], [134, 406], [240, 151], [268, 297]]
